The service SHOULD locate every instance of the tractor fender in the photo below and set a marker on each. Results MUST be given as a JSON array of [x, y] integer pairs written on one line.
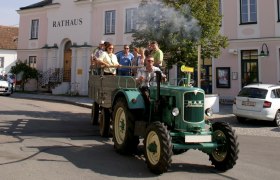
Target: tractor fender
[[133, 98]]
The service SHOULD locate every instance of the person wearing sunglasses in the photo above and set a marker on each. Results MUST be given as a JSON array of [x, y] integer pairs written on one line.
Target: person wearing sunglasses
[[146, 76], [109, 60], [125, 58]]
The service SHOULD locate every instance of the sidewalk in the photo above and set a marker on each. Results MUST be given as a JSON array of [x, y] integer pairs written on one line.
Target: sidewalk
[[224, 109]]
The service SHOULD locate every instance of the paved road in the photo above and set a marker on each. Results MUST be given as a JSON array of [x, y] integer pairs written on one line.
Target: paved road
[[52, 140], [252, 127]]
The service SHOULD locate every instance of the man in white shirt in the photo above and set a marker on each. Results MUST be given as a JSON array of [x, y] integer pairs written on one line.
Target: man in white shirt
[[146, 77]]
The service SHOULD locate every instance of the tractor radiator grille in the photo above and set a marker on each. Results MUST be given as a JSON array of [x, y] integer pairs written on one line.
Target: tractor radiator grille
[[194, 106]]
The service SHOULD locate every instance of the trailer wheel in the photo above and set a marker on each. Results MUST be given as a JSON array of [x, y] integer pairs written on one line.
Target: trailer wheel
[[123, 128], [157, 148], [104, 122], [224, 157], [94, 113]]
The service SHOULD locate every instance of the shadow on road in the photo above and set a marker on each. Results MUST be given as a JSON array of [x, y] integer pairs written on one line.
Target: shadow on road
[[247, 124], [97, 155]]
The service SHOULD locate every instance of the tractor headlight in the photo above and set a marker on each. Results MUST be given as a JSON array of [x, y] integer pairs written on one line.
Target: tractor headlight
[[208, 112], [175, 111]]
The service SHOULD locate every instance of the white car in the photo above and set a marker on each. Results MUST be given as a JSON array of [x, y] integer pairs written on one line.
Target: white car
[[259, 102], [5, 88]]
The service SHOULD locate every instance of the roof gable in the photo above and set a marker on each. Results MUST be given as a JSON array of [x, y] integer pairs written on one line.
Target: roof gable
[[37, 5], [8, 37]]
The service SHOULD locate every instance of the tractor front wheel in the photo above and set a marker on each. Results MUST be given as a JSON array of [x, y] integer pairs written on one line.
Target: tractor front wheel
[[157, 148], [225, 155]]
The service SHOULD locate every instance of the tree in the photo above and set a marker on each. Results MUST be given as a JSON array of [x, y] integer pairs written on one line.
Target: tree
[[179, 27], [26, 71]]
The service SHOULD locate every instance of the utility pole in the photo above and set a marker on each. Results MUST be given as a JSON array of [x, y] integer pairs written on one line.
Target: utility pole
[[199, 66]]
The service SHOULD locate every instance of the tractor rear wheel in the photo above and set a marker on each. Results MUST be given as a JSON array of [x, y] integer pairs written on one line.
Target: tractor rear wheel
[[225, 155], [157, 148], [104, 122], [94, 113], [123, 128]]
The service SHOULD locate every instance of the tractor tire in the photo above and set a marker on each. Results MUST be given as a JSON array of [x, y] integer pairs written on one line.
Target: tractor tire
[[224, 157], [104, 122], [157, 148], [277, 119], [123, 129], [94, 113], [240, 119]]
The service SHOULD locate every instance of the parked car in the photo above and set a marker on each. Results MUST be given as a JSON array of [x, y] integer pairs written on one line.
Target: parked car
[[5, 88], [259, 102]]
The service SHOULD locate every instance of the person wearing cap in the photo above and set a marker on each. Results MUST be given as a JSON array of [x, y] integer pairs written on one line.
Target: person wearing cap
[[96, 53]]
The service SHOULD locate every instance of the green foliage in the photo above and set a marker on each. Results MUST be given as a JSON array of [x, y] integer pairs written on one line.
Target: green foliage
[[26, 71], [179, 27]]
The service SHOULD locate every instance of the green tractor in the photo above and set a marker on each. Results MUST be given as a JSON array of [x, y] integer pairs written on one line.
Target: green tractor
[[172, 123]]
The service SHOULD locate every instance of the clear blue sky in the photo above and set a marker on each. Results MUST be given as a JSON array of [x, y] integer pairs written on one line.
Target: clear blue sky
[[8, 14]]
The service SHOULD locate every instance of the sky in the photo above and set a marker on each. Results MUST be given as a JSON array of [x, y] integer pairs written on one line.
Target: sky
[[8, 11]]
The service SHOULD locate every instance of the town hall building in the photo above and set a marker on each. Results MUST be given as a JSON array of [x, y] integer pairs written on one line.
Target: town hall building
[[57, 37]]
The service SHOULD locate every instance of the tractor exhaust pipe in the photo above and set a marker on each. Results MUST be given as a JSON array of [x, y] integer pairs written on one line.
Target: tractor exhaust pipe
[[158, 76], [158, 79]]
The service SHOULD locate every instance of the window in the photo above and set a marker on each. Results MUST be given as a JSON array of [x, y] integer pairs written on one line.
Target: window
[[248, 11], [278, 10], [34, 29], [1, 62], [110, 21], [253, 93], [249, 67], [131, 15], [32, 61], [275, 93]]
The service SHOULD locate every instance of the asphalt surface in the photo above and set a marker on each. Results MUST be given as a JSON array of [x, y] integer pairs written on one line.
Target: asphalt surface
[[225, 110], [252, 128], [82, 101]]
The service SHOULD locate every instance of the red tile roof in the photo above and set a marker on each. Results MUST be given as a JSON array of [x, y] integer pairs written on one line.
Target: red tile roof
[[8, 37]]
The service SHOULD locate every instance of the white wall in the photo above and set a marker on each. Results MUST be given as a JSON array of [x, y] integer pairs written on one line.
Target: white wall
[[10, 57]]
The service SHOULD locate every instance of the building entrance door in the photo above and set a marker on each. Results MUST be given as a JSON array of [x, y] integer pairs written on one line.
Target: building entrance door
[[249, 67], [67, 62]]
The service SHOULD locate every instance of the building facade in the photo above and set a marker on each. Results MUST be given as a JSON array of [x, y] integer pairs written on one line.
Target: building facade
[[253, 30], [57, 38], [8, 46]]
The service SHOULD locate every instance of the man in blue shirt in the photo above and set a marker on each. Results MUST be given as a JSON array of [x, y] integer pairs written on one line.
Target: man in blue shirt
[[125, 59]]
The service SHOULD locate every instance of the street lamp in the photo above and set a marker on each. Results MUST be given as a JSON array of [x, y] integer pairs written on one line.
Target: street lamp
[[264, 52]]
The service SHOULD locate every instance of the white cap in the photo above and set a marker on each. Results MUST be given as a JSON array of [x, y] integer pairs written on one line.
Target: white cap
[[101, 42]]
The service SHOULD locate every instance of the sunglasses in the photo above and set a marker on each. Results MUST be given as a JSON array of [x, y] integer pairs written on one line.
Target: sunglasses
[[110, 48], [126, 48], [150, 60]]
